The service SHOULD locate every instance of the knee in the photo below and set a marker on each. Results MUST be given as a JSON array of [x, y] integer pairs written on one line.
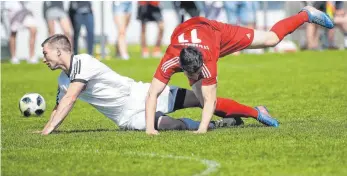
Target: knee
[[51, 31], [143, 28], [271, 43], [121, 33], [272, 40], [161, 26]]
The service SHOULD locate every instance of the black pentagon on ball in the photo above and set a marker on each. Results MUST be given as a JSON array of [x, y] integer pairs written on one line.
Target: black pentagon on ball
[[39, 100], [26, 113], [26, 100], [39, 112]]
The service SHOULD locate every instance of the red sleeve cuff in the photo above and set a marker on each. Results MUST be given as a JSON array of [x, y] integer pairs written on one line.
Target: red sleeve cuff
[[158, 75], [209, 81], [205, 81]]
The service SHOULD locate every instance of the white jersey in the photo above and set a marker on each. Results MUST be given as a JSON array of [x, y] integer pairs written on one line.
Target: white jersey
[[106, 90]]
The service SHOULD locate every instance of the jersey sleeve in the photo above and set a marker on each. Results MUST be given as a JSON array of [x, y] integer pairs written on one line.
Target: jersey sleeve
[[60, 94], [168, 66], [83, 70], [209, 72]]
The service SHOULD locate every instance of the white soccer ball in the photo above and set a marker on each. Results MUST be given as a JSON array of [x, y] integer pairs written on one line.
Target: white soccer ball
[[32, 104]]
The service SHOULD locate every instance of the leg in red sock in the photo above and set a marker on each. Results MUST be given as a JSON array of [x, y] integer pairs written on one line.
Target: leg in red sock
[[224, 107], [230, 108], [263, 39], [289, 25]]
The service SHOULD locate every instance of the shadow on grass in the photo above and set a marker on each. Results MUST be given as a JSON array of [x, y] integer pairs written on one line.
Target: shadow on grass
[[252, 126], [88, 131], [121, 130]]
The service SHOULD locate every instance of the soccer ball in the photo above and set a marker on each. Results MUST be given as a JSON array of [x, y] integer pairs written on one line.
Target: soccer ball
[[32, 104]]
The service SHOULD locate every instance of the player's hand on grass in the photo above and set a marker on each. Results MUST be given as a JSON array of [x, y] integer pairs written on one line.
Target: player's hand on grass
[[152, 132], [47, 130], [37, 132], [200, 131]]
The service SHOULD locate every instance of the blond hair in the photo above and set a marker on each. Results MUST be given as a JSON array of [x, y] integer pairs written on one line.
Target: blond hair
[[58, 40]]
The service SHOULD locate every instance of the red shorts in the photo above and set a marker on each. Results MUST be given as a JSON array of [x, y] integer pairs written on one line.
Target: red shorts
[[235, 38]]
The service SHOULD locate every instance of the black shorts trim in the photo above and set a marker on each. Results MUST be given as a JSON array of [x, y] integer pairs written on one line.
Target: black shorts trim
[[179, 100]]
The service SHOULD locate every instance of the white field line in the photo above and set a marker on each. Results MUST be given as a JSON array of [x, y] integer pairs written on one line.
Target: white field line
[[211, 165]]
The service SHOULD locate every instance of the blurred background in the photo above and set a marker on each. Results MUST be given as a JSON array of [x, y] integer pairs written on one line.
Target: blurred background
[[107, 29]]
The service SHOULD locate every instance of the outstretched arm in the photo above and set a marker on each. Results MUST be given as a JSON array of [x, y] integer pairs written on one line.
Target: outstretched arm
[[52, 115], [209, 97], [64, 107], [151, 104]]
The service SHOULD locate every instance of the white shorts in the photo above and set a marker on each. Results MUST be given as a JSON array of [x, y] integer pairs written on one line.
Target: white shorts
[[55, 14], [28, 21], [133, 116]]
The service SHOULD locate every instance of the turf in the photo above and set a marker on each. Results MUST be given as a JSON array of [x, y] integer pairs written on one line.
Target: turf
[[306, 91]]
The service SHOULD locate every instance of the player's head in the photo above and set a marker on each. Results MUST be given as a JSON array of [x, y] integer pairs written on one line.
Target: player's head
[[191, 62], [54, 48]]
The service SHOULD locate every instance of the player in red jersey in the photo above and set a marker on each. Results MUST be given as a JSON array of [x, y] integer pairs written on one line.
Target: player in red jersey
[[197, 44]]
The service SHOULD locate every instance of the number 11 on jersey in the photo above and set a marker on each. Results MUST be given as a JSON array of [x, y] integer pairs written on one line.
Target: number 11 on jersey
[[193, 35]]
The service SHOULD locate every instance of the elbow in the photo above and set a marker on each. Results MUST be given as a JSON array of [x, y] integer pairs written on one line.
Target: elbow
[[73, 99]]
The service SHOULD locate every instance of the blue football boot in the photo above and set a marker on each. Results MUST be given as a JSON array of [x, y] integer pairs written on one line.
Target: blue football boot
[[265, 118], [318, 17]]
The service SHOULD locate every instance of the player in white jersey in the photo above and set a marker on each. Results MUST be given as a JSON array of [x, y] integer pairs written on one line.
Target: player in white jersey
[[117, 97]]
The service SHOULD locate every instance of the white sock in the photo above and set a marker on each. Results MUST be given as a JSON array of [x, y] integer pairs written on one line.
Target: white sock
[[345, 40]]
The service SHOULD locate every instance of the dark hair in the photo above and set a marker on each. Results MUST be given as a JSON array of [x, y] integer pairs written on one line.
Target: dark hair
[[191, 59], [58, 40]]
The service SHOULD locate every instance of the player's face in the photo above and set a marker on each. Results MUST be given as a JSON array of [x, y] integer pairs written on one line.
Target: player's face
[[50, 57], [193, 76]]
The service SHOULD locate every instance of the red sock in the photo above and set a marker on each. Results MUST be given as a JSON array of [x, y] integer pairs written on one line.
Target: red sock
[[227, 107], [289, 25]]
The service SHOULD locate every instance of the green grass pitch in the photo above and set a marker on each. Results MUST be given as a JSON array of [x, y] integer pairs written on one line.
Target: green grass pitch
[[306, 91]]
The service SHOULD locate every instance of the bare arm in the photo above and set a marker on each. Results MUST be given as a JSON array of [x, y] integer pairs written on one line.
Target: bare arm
[[208, 94], [50, 119], [64, 107], [52, 115], [151, 104]]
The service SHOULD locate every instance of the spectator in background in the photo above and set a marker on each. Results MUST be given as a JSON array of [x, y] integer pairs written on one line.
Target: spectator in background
[[242, 13], [20, 17], [54, 11], [150, 11], [122, 14], [335, 11], [186, 6], [81, 13], [212, 9]]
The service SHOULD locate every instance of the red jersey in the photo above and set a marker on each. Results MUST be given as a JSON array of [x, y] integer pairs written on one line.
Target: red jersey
[[153, 3], [214, 40]]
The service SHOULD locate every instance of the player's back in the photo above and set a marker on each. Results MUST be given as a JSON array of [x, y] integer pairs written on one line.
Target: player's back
[[213, 38], [199, 32], [105, 89]]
